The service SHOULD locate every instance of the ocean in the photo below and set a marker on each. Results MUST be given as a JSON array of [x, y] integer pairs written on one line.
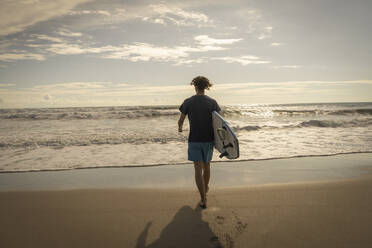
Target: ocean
[[88, 137]]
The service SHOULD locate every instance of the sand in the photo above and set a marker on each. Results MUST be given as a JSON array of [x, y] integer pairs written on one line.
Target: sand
[[225, 174], [332, 214], [299, 202]]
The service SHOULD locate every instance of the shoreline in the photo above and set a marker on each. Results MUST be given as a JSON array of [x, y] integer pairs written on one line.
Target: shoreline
[[223, 174], [183, 163]]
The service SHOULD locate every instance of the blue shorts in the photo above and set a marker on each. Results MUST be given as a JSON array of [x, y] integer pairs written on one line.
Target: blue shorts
[[200, 151]]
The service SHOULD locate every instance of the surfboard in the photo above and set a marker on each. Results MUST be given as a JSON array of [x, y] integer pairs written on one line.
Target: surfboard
[[225, 141]]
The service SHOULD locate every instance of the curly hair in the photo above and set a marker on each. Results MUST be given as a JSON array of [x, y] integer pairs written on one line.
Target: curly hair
[[201, 83]]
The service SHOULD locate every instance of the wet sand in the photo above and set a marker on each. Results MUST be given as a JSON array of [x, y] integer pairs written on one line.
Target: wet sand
[[225, 174], [337, 213]]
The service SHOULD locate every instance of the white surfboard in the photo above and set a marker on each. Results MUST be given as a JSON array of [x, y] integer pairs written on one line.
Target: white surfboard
[[225, 140]]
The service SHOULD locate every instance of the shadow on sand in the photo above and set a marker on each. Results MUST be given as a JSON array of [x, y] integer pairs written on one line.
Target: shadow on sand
[[187, 229]]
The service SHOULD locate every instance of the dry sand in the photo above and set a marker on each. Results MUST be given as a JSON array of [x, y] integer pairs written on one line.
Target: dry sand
[[330, 214]]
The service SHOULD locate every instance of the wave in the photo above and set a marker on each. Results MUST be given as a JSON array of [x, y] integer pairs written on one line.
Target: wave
[[172, 110], [129, 166], [87, 141], [264, 112], [88, 113], [310, 123], [325, 112], [352, 111], [331, 123]]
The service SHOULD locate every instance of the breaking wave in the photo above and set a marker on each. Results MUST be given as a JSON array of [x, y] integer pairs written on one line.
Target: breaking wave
[[158, 111], [310, 123], [85, 141], [286, 112], [88, 113]]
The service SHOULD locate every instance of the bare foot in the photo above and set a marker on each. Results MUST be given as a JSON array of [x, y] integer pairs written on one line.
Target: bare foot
[[203, 204]]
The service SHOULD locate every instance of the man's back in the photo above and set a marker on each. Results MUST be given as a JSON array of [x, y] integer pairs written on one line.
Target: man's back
[[199, 109]]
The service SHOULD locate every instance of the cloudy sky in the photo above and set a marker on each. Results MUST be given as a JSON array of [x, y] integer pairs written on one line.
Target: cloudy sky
[[103, 53]]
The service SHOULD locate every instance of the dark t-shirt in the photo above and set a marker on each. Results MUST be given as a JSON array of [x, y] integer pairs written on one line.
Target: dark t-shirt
[[199, 111]]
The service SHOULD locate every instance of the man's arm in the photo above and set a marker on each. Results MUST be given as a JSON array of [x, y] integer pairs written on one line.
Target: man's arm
[[218, 109], [180, 122]]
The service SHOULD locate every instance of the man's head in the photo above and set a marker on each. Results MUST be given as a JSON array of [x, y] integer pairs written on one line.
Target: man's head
[[201, 83]]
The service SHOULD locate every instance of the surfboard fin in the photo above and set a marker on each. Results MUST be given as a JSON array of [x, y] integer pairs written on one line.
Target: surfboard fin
[[225, 153], [228, 145]]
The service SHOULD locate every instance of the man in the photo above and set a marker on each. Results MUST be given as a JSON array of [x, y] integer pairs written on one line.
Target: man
[[199, 110]]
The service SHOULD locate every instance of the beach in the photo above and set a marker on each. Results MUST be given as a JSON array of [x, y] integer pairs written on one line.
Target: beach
[[108, 124], [307, 212]]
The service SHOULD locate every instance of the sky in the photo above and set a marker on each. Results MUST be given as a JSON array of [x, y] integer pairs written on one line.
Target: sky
[[67, 53]]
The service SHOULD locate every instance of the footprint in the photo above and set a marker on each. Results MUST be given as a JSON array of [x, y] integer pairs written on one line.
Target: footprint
[[232, 228], [220, 219], [239, 225], [229, 241], [216, 242]]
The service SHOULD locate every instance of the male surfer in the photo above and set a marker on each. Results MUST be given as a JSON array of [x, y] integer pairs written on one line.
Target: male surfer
[[199, 110]]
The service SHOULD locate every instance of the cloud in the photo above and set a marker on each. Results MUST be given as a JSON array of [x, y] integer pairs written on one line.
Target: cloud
[[6, 43], [110, 94], [287, 67], [238, 86], [68, 33], [71, 86], [121, 84], [15, 16], [252, 21], [7, 85], [189, 62], [206, 40], [163, 14], [163, 9], [243, 60], [41, 46], [89, 12], [147, 52], [275, 44], [65, 40], [21, 56], [107, 15], [137, 51], [47, 38], [266, 33], [133, 52], [154, 20], [70, 49]]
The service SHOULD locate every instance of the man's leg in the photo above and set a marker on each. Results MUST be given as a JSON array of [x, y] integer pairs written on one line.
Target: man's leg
[[199, 179], [206, 175]]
